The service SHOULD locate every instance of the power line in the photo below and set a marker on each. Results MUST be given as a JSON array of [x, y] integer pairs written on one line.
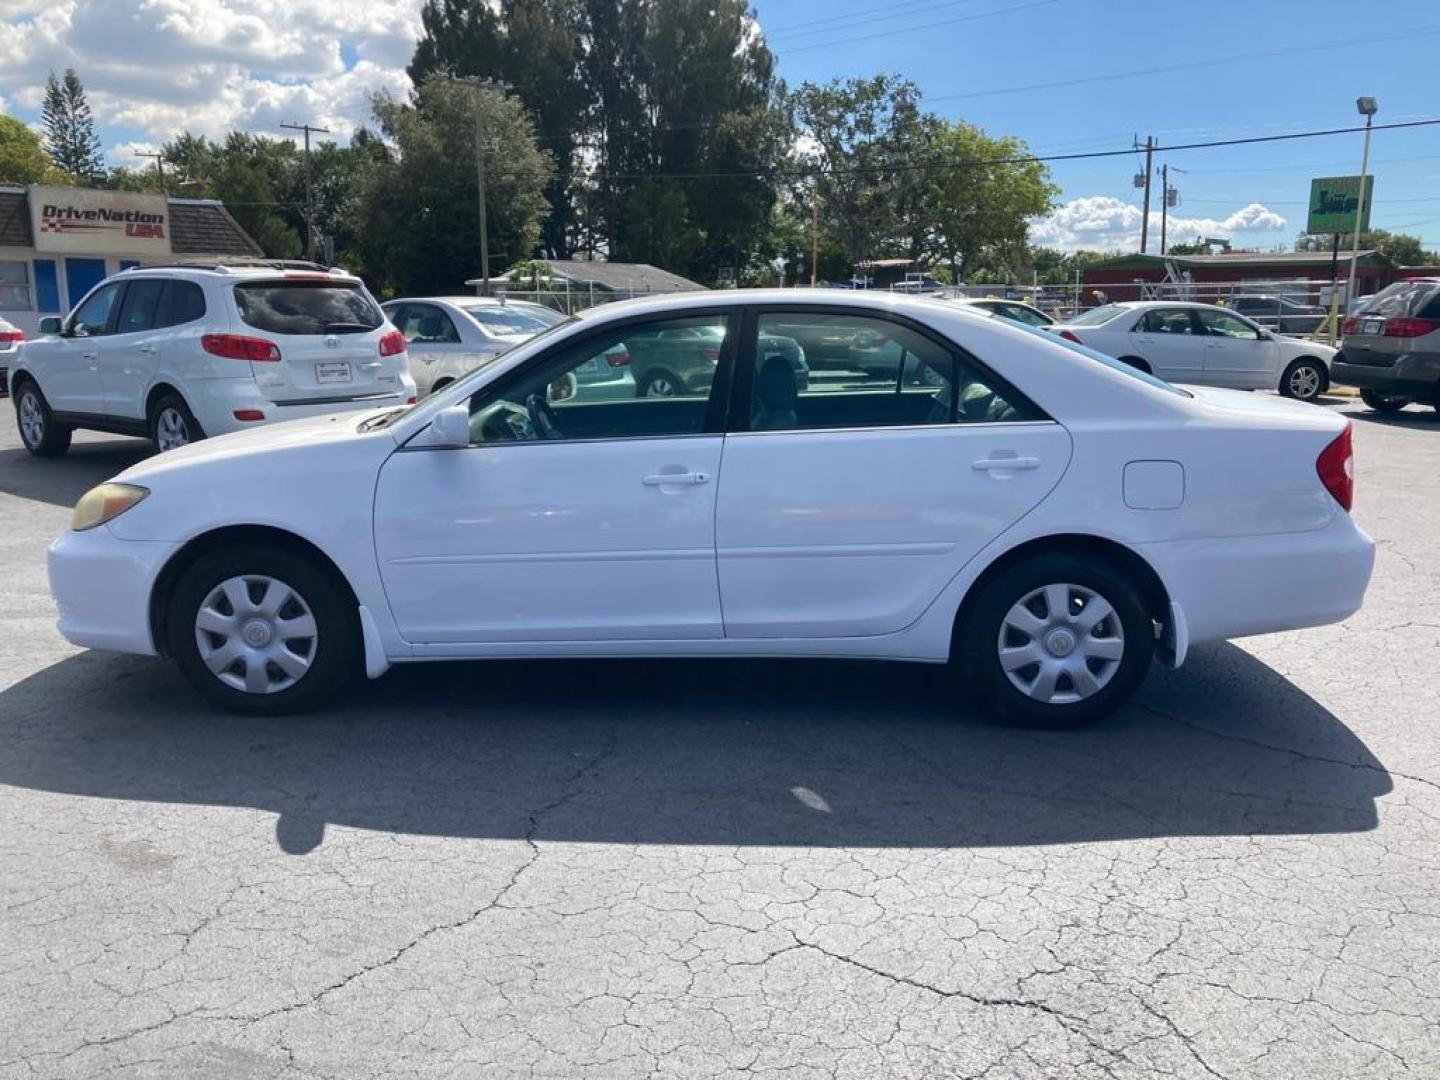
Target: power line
[[920, 26], [847, 22]]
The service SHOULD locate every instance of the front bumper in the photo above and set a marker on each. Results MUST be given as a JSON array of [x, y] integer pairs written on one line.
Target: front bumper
[[102, 586], [1243, 585]]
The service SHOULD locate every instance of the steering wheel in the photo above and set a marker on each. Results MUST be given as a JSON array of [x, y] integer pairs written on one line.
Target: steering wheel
[[542, 415]]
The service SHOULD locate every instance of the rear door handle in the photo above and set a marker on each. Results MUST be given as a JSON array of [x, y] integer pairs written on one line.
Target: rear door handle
[[666, 479], [991, 464], [148, 349]]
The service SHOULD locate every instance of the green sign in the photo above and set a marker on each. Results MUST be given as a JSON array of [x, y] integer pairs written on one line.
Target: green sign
[[1335, 202]]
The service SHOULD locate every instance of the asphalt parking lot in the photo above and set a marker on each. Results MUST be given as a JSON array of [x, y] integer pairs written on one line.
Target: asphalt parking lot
[[706, 870]]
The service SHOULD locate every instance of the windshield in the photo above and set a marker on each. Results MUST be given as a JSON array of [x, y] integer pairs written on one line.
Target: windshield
[[508, 319], [1108, 361], [307, 307], [1095, 316]]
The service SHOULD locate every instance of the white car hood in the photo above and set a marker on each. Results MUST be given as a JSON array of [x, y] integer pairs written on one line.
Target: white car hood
[[260, 442]]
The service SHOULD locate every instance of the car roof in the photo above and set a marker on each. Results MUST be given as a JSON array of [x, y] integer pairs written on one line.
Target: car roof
[[277, 270], [462, 301], [1146, 305], [860, 300]]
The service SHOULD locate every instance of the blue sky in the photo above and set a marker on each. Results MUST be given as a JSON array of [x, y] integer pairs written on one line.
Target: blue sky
[[1217, 69]]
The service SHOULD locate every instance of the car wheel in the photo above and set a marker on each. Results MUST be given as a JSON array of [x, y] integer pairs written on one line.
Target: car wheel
[[172, 424], [1384, 403], [440, 385], [263, 630], [1304, 380], [1136, 362], [39, 431], [1055, 641], [659, 384]]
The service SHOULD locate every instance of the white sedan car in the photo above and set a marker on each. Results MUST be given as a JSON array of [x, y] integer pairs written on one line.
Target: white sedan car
[[1043, 516], [450, 336], [1202, 344]]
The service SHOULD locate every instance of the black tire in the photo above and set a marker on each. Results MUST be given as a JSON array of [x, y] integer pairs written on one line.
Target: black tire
[[336, 652], [648, 380], [1295, 374], [1383, 403], [40, 433], [1137, 363], [440, 386], [167, 410], [978, 641]]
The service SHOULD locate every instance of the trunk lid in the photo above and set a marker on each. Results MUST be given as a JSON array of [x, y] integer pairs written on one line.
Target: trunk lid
[[328, 330]]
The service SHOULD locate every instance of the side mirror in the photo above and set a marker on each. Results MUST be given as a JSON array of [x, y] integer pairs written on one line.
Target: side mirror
[[449, 430], [50, 324]]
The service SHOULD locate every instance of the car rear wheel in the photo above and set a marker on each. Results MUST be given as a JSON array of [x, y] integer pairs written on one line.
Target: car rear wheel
[[1056, 640], [1384, 403], [659, 384], [39, 431], [1136, 362], [172, 424], [263, 630], [1304, 380]]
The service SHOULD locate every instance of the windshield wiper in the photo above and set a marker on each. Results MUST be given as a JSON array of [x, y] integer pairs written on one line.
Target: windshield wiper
[[347, 328], [375, 423]]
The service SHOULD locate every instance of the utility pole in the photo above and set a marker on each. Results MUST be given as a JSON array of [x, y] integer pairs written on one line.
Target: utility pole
[[815, 235], [480, 85], [1169, 198], [1145, 218], [159, 166], [1367, 108], [309, 186]]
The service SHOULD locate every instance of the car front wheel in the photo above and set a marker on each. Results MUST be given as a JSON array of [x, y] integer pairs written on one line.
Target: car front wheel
[[1056, 640], [1304, 380], [263, 630], [42, 435]]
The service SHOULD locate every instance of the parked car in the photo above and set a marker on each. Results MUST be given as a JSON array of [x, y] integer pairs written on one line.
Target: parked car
[[1045, 517], [11, 338], [1281, 313], [1014, 310], [1391, 348], [1202, 344], [180, 352], [449, 336], [683, 359]]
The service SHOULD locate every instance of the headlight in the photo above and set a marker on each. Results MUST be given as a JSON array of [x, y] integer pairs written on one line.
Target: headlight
[[101, 504]]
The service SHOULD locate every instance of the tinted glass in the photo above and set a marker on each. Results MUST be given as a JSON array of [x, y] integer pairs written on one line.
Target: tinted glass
[[307, 307], [886, 375], [643, 380], [138, 308], [185, 303], [93, 315], [1163, 321], [1108, 361], [1095, 316], [1402, 299], [425, 324], [510, 320], [1028, 316], [1223, 324]]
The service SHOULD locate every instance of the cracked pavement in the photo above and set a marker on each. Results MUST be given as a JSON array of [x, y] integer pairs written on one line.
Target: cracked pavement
[[679, 869]]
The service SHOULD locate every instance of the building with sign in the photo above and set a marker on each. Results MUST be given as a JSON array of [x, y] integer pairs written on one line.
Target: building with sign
[[1307, 273], [56, 244]]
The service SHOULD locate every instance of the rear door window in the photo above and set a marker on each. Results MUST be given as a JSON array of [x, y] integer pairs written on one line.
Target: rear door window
[[138, 309], [184, 302], [307, 307], [1166, 321]]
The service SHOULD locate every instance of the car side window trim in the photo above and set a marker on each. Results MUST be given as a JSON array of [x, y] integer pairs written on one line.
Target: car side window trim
[[738, 413]]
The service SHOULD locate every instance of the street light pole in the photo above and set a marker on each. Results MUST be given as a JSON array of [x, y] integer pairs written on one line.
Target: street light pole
[[480, 85], [1368, 108]]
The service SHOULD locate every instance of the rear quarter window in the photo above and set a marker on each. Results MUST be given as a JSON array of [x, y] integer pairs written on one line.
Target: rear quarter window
[[1402, 299], [307, 307], [1095, 316]]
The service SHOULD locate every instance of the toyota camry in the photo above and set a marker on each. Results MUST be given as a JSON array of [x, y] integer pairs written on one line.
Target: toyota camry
[[1043, 518]]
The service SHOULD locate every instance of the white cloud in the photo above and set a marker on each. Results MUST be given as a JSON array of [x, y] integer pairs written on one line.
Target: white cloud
[[1103, 223], [162, 66]]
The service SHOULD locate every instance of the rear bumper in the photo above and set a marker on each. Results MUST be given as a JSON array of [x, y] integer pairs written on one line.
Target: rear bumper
[[1413, 374], [102, 586], [1244, 585], [216, 401]]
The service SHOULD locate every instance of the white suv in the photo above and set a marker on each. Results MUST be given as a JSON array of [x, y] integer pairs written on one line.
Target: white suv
[[176, 353]]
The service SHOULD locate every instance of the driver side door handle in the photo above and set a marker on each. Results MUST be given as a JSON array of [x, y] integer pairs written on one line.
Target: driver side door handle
[[666, 479]]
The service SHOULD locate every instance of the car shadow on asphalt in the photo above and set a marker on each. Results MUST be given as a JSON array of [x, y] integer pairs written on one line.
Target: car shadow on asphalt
[[817, 753], [1412, 416], [61, 481]]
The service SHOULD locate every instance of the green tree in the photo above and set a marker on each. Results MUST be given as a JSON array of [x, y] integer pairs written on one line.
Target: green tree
[[416, 220], [70, 137], [22, 159], [1196, 247], [1404, 249], [1051, 266]]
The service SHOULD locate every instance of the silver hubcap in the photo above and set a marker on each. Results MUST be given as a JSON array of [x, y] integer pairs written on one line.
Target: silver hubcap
[[170, 430], [32, 420], [1305, 382], [1061, 644], [660, 386], [256, 634]]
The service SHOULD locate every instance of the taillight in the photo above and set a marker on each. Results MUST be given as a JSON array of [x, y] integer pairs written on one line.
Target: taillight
[[1350, 324], [392, 343], [618, 358], [711, 354], [240, 347], [1336, 466], [1409, 327], [1069, 335], [11, 337]]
